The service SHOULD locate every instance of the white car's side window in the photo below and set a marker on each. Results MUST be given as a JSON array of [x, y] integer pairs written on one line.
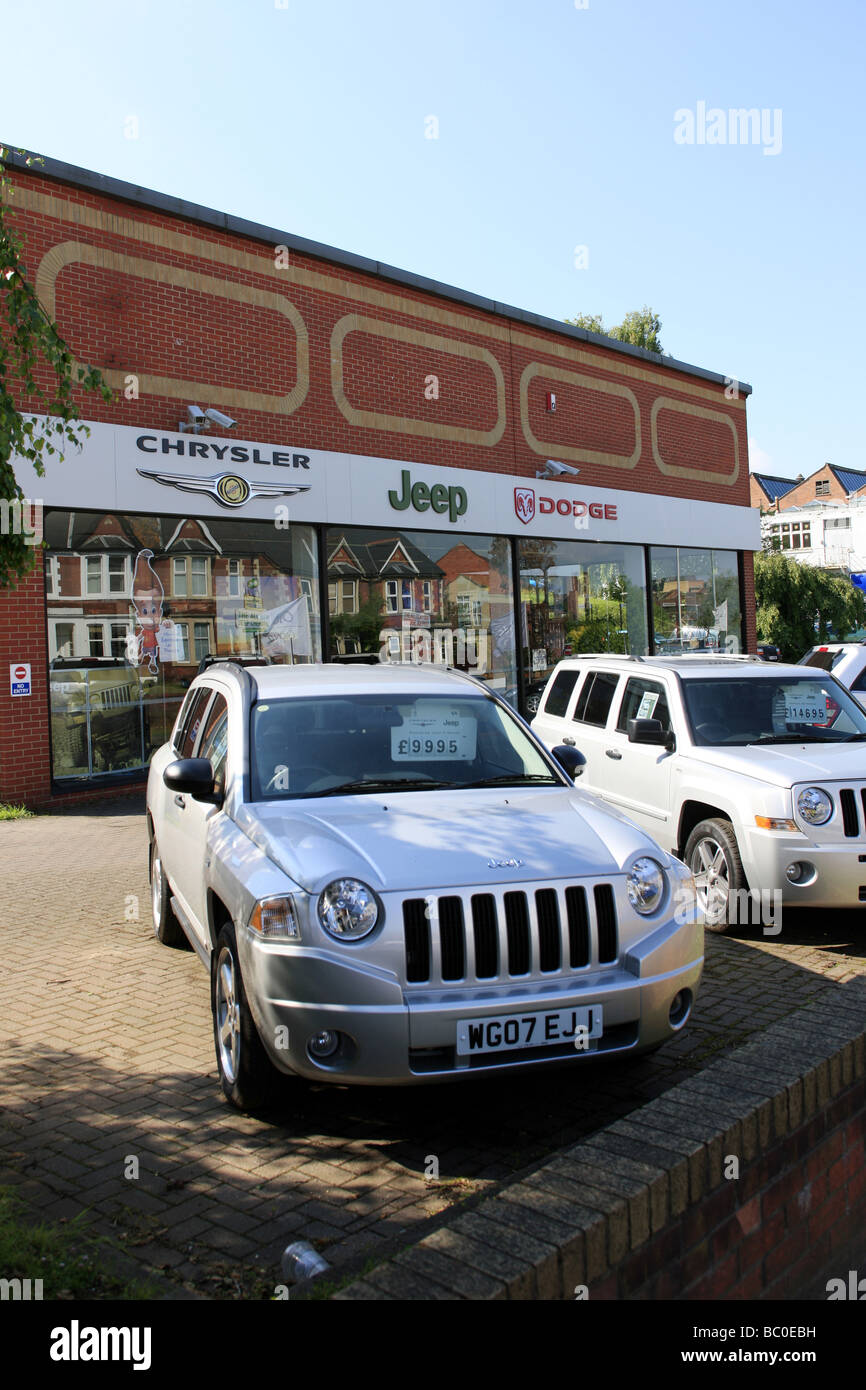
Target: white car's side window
[[596, 698]]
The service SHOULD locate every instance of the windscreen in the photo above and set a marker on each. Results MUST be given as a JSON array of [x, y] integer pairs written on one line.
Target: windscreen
[[315, 746], [772, 710]]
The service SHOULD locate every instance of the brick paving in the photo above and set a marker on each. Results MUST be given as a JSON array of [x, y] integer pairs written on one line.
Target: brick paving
[[109, 1069]]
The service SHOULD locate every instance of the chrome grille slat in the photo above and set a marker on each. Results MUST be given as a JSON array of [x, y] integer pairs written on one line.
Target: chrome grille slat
[[534, 932]]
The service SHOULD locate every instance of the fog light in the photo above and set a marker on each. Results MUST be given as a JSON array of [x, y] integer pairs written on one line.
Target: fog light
[[324, 1044], [794, 873], [680, 1008]]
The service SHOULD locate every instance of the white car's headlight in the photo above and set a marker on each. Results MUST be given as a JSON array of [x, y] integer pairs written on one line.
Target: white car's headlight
[[348, 909], [645, 883], [815, 805]]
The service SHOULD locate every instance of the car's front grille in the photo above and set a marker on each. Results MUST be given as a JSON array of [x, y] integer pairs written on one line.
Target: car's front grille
[[852, 803], [508, 935]]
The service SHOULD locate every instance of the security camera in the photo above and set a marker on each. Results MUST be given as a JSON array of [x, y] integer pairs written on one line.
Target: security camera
[[195, 414], [219, 419], [557, 469]]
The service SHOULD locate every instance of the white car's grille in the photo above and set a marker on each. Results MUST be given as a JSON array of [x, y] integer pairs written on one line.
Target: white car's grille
[[509, 933], [851, 822]]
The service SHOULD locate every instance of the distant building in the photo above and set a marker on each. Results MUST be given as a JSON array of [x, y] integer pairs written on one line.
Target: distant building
[[828, 533], [766, 490]]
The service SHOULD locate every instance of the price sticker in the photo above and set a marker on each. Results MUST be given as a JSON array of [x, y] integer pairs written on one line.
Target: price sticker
[[446, 737]]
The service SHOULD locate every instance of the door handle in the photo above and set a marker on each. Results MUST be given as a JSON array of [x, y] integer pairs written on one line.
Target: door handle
[[613, 753], [179, 801]]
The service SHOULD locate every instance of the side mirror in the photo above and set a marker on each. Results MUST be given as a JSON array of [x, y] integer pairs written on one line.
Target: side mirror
[[571, 760], [193, 776], [651, 731]]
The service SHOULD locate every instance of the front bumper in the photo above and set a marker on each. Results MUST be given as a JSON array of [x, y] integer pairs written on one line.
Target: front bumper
[[838, 877], [394, 1035]]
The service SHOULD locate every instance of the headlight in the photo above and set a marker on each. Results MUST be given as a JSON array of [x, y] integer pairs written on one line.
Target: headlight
[[348, 909], [646, 884], [815, 806], [275, 919]]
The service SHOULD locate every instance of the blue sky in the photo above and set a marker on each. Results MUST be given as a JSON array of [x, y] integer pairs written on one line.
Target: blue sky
[[555, 131]]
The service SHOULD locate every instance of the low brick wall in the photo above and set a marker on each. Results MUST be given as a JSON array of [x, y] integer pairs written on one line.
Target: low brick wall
[[746, 1181]]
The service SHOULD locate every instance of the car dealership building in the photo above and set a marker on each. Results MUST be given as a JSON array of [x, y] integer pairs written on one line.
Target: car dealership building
[[392, 466]]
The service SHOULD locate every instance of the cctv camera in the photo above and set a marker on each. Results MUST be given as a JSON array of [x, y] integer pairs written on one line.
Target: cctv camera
[[195, 414], [219, 419], [557, 469]]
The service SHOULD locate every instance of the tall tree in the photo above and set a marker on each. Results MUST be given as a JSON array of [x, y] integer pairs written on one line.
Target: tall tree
[[37, 365], [801, 604], [640, 327]]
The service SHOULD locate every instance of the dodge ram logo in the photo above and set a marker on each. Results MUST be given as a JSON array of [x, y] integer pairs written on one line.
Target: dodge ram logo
[[524, 504]]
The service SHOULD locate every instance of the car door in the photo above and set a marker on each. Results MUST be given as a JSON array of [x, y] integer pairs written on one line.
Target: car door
[[586, 727], [169, 819], [189, 873], [637, 776]]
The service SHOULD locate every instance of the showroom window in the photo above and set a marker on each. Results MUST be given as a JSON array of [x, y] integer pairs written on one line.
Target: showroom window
[[412, 602], [124, 639], [579, 596], [696, 599]]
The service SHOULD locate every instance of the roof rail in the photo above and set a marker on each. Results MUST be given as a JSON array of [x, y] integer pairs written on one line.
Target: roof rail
[[604, 656], [242, 661]]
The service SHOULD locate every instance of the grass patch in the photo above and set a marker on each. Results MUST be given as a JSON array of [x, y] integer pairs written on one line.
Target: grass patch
[[70, 1263], [10, 812]]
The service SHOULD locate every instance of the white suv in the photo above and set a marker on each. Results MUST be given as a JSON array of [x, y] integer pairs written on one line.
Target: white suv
[[755, 776]]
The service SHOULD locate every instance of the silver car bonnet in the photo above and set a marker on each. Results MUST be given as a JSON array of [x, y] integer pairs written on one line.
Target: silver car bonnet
[[413, 840]]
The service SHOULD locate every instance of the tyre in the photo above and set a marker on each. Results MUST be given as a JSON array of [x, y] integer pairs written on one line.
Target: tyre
[[167, 928], [714, 858], [248, 1078]]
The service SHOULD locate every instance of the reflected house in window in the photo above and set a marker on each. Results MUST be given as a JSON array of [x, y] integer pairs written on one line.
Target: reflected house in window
[[376, 580], [227, 590]]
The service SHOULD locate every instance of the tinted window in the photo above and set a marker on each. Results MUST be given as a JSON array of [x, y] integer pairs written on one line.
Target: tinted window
[[824, 660], [191, 721], [596, 697], [771, 709], [214, 741], [860, 682], [643, 700], [309, 746], [560, 693]]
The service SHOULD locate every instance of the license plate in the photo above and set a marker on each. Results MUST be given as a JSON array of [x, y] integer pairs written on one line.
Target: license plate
[[514, 1031]]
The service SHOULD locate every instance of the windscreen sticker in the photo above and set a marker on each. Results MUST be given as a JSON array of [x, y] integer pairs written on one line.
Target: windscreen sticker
[[449, 736], [803, 706], [646, 708]]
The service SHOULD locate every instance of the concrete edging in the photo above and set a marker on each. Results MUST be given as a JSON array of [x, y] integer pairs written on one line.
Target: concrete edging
[[644, 1208]]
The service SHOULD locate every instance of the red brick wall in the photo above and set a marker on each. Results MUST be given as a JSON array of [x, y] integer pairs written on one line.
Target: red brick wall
[[770, 1233]]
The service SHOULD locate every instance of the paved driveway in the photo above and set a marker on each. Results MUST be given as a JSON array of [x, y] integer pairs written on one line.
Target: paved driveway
[[108, 1070]]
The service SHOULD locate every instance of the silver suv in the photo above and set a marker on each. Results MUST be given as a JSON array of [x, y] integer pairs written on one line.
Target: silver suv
[[754, 775], [391, 880]]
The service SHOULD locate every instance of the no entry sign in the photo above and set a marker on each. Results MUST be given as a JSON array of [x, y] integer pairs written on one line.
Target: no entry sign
[[19, 678]]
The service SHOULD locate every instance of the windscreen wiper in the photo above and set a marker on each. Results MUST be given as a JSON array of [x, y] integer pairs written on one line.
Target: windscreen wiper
[[514, 779], [384, 784]]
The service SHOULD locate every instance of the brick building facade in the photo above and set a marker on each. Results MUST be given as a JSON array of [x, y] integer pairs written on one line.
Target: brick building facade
[[382, 476]]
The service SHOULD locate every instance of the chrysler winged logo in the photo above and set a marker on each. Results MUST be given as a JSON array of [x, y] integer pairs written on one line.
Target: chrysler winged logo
[[229, 489], [524, 504]]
